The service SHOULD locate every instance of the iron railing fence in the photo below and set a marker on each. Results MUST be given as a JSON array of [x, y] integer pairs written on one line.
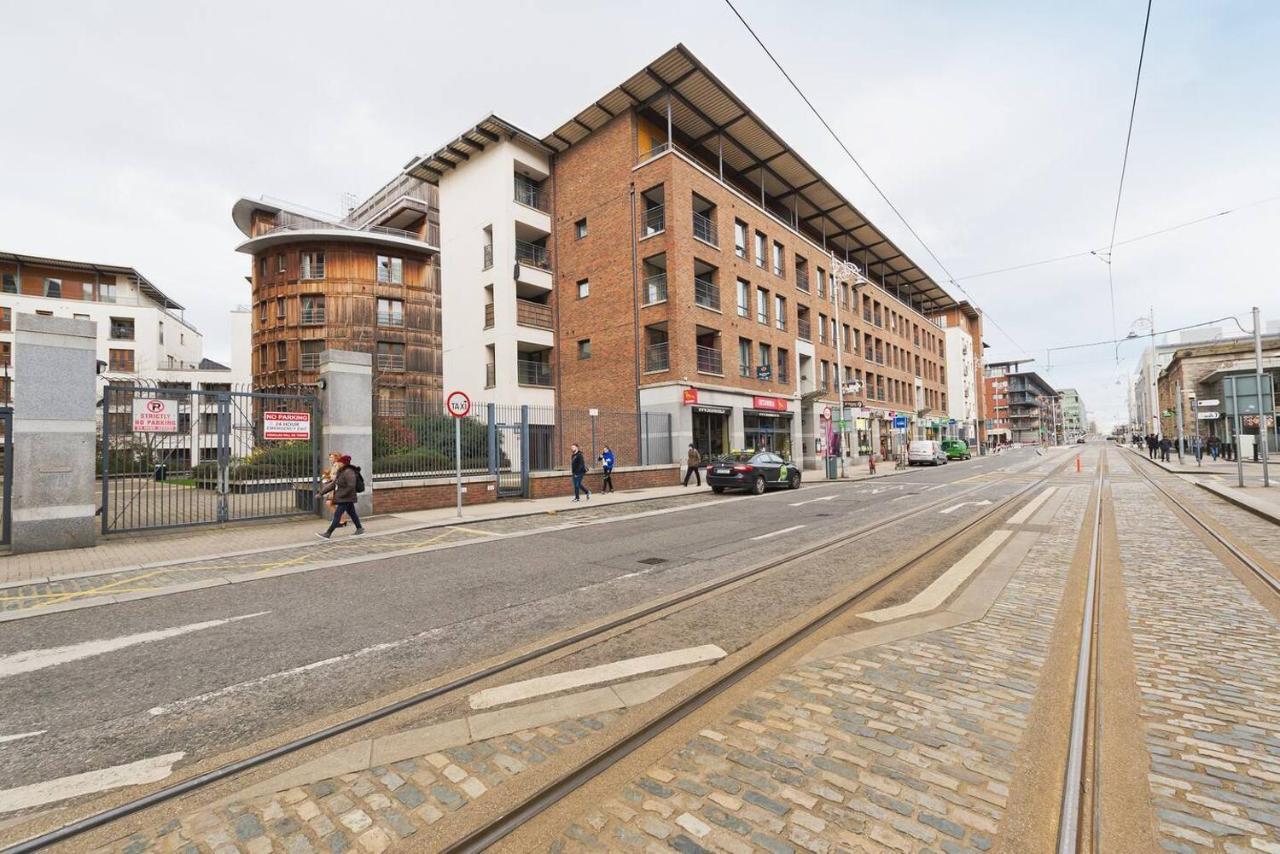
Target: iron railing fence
[[704, 228], [657, 357], [531, 194], [533, 255], [706, 293], [655, 288], [655, 220]]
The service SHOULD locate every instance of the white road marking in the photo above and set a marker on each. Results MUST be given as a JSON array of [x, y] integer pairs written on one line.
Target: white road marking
[[775, 533], [811, 500], [626, 668], [38, 659], [21, 735], [1025, 513], [946, 584], [954, 507], [903, 497], [37, 794], [881, 489], [939, 486]]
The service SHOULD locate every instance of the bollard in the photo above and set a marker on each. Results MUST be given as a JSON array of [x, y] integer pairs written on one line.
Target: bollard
[[1077, 463]]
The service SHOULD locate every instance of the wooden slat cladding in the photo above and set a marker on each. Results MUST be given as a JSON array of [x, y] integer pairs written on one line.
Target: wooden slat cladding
[[349, 320]]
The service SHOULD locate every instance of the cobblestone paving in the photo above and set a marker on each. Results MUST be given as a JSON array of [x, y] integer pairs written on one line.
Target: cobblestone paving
[[371, 811], [1208, 665], [906, 747]]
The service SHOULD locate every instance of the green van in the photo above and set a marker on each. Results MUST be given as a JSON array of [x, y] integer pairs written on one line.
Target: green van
[[956, 449]]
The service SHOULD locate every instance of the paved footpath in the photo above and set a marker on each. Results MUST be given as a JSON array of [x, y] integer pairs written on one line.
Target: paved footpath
[[909, 746]]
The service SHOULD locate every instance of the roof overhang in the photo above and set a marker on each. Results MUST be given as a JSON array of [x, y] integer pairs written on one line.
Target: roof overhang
[[711, 119], [242, 213], [488, 131], [144, 284], [281, 236]]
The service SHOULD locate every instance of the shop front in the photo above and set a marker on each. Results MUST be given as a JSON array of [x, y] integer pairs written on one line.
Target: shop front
[[711, 430], [768, 426]]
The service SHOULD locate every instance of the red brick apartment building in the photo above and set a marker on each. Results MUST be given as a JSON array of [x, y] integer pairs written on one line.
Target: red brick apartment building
[[667, 252]]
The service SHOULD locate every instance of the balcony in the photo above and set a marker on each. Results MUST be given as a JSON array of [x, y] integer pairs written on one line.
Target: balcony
[[313, 316], [488, 256], [710, 361], [533, 255], [393, 319], [488, 316], [528, 313], [704, 228], [655, 220], [706, 294], [657, 357], [532, 195], [531, 372], [655, 288], [803, 332], [391, 362], [802, 279]]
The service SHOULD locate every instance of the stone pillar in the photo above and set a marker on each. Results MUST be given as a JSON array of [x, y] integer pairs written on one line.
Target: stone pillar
[[346, 412], [54, 433]]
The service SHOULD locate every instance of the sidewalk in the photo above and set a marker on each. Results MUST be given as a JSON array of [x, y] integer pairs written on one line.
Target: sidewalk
[[1220, 478]]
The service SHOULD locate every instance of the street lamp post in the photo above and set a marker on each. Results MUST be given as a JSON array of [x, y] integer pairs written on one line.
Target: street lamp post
[[843, 271], [1263, 450]]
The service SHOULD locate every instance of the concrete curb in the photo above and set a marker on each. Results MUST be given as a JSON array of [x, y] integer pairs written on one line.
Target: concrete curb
[[1244, 502]]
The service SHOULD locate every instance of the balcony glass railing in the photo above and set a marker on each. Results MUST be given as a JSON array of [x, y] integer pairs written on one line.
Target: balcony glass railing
[[706, 294], [657, 357], [655, 288], [533, 255], [710, 361], [533, 314], [531, 194], [655, 220], [531, 372], [704, 228]]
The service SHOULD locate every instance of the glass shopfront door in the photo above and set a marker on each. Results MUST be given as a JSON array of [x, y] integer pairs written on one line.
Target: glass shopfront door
[[768, 431], [710, 432]]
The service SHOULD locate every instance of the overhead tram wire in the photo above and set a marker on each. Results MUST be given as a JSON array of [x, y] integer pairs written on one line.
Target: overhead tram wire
[[1124, 166], [950, 278]]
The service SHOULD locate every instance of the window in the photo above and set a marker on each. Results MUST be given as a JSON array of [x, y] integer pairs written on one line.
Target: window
[[312, 265], [262, 267], [762, 306], [744, 357], [761, 245], [740, 238], [6, 319], [766, 361], [777, 259], [44, 313], [6, 352], [262, 312], [10, 283], [390, 270], [584, 349], [744, 298], [822, 283], [280, 265], [784, 360], [584, 289], [580, 228], [120, 360], [390, 312], [282, 352], [122, 329], [53, 288], [390, 356], [822, 329], [76, 316], [86, 291], [313, 309], [780, 312], [280, 308], [704, 220]]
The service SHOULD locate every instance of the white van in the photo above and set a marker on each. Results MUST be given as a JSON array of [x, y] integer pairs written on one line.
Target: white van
[[926, 452]]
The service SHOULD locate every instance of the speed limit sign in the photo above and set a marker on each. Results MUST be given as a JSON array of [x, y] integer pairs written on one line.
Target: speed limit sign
[[458, 404]]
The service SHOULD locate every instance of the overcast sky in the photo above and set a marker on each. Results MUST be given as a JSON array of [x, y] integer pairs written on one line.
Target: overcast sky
[[997, 128]]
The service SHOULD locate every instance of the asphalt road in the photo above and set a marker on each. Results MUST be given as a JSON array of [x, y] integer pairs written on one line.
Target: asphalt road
[[232, 664]]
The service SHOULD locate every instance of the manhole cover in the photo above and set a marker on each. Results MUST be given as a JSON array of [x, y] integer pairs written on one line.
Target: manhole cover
[[652, 561]]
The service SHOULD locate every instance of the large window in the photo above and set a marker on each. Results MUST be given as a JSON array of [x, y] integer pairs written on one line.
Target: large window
[[312, 265], [780, 312], [120, 360], [122, 328], [740, 238], [312, 310], [282, 352], [390, 312], [53, 288], [761, 249], [778, 268], [762, 306], [744, 357], [744, 298], [309, 355], [390, 270], [390, 356]]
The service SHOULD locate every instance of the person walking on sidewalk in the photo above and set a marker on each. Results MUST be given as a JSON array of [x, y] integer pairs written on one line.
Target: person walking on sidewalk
[[694, 461], [871, 463], [1152, 444], [606, 463], [1197, 448], [1214, 448], [346, 486], [578, 468], [1165, 446], [326, 478]]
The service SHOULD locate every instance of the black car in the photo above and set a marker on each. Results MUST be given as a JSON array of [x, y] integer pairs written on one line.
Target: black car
[[753, 471]]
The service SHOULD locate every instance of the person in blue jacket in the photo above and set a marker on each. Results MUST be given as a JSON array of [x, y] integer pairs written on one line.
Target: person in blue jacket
[[606, 463]]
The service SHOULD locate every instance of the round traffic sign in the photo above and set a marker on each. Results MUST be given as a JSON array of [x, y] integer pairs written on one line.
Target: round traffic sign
[[458, 404]]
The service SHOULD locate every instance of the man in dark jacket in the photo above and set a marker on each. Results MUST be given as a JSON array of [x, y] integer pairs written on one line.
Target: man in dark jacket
[[1166, 444], [343, 487], [578, 467], [694, 462]]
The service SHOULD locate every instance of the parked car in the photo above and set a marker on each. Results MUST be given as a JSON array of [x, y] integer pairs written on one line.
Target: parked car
[[752, 471], [956, 449], [926, 452]]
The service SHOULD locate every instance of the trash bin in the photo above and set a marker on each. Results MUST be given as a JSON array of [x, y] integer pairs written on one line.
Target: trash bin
[[162, 472], [832, 470]]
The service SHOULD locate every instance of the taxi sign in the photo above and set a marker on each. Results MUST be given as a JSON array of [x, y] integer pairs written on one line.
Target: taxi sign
[[458, 404]]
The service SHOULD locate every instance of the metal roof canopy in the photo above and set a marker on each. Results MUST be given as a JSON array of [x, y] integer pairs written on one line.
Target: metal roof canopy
[[143, 282], [714, 123], [492, 129]]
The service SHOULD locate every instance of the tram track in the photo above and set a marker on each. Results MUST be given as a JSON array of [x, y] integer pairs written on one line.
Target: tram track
[[545, 652]]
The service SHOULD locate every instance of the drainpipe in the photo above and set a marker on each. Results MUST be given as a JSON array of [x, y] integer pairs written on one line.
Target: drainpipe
[[635, 321]]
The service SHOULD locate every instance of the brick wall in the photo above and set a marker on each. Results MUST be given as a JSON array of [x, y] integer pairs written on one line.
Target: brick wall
[[549, 485], [388, 497]]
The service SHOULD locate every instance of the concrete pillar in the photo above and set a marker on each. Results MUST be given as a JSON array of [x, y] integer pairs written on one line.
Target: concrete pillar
[[346, 411], [54, 433]]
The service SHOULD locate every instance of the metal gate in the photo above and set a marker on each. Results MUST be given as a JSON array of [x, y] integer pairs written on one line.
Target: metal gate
[[175, 457], [6, 472], [509, 457]]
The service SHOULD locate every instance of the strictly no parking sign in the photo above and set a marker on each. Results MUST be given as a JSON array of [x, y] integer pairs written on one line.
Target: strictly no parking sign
[[155, 415]]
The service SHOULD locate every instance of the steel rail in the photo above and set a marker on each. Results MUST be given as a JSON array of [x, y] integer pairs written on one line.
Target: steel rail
[[491, 833], [1073, 788], [223, 772], [1252, 565]]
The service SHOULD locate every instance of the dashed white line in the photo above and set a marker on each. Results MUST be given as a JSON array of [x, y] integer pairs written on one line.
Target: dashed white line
[[812, 500], [776, 533], [37, 794], [21, 735]]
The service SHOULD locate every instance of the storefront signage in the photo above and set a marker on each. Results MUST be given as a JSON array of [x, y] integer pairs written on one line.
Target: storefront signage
[[155, 415], [773, 404], [286, 425], [764, 372], [690, 396]]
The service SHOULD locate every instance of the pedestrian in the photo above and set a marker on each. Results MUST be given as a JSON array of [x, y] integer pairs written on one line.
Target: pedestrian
[[326, 478], [578, 467], [346, 485], [606, 463], [1197, 448], [871, 463], [1152, 444], [694, 461], [1214, 447], [1165, 446]]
